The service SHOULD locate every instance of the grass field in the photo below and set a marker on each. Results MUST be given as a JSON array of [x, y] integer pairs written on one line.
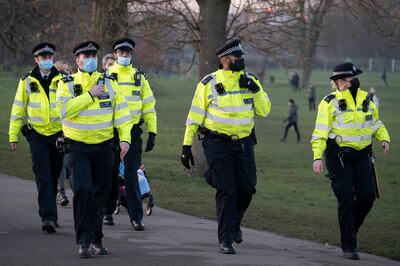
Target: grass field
[[290, 199]]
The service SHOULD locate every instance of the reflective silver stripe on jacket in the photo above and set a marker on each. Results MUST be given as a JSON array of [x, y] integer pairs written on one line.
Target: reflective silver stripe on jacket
[[27, 85], [152, 110], [34, 105], [376, 126], [53, 105], [121, 106], [349, 125], [64, 108], [71, 88], [230, 121], [103, 125], [19, 103], [96, 112], [148, 99], [35, 118], [242, 108], [351, 138], [135, 112], [197, 110], [55, 119], [53, 90], [214, 93], [314, 137], [111, 91], [133, 98], [322, 127], [122, 120], [190, 122], [15, 117], [126, 83]]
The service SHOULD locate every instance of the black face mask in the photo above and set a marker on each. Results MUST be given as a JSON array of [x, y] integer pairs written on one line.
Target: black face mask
[[355, 84], [237, 65]]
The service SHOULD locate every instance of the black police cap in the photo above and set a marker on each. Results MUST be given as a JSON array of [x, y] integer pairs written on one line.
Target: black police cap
[[233, 47], [124, 44], [88, 47], [44, 48], [344, 70]]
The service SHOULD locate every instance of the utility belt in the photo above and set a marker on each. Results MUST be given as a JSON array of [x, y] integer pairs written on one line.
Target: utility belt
[[215, 135], [332, 146], [63, 142]]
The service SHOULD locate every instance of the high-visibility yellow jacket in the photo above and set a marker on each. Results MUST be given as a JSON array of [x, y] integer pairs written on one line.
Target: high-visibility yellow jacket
[[339, 118], [137, 92], [91, 120], [31, 103], [231, 111]]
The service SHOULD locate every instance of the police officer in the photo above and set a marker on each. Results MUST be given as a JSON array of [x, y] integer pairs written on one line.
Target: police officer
[[139, 96], [223, 109], [347, 120], [91, 106], [35, 100]]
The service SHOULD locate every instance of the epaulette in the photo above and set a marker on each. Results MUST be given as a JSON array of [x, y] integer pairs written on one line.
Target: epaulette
[[67, 79], [207, 79], [329, 98], [250, 74], [25, 76], [107, 76]]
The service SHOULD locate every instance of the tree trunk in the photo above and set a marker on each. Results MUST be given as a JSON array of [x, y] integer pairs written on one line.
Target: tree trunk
[[110, 22], [213, 18]]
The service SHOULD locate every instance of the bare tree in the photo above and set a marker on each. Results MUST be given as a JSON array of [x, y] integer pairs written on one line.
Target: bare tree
[[110, 22]]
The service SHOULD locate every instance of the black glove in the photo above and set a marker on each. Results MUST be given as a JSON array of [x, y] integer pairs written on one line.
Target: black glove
[[249, 83], [187, 156], [151, 141]]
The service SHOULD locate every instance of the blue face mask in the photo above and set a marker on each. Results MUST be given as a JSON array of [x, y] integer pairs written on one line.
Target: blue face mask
[[46, 64], [90, 64], [123, 61]]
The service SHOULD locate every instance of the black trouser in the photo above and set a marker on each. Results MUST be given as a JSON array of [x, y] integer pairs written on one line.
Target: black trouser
[[311, 104], [132, 162], [111, 202], [294, 124], [232, 172], [46, 165], [90, 167], [354, 188]]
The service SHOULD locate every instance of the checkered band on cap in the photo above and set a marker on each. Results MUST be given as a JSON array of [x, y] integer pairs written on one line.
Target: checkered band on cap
[[343, 72], [124, 44], [45, 49], [89, 47], [237, 48]]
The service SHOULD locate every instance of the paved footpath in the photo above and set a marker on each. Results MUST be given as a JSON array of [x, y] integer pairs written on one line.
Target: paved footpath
[[170, 238]]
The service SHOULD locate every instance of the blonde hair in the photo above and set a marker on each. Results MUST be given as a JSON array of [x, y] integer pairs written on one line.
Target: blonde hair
[[59, 64]]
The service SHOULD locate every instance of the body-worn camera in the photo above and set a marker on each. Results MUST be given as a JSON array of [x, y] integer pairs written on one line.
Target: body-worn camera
[[34, 87], [342, 105], [77, 89], [219, 87]]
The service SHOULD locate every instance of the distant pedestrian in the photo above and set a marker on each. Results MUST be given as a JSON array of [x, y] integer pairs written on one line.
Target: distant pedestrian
[[383, 79], [295, 82], [311, 97], [292, 120], [272, 79]]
